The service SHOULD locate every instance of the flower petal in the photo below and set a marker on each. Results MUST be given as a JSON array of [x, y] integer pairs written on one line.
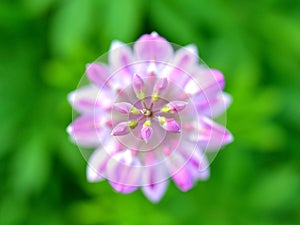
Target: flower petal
[[199, 166], [179, 171], [213, 107], [97, 74], [205, 83], [120, 55], [88, 131], [155, 192], [180, 70], [123, 172], [213, 136], [154, 178], [90, 99], [183, 179], [153, 47], [97, 162]]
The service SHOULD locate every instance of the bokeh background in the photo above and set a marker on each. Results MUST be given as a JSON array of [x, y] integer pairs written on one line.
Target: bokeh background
[[44, 47]]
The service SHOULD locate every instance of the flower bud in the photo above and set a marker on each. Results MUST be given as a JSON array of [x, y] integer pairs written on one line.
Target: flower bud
[[123, 128], [146, 131], [125, 108], [173, 107], [159, 87], [169, 124], [138, 86]]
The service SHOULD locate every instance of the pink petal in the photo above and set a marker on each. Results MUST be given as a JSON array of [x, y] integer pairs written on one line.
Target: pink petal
[[199, 165], [184, 63], [88, 131], [205, 83], [123, 171], [120, 55], [155, 192], [153, 47], [179, 171], [213, 136], [97, 163], [122, 188], [90, 99], [154, 178], [215, 106], [183, 179], [98, 74], [186, 57]]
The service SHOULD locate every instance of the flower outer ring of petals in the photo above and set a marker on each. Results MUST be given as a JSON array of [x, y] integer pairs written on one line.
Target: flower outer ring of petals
[[151, 119]]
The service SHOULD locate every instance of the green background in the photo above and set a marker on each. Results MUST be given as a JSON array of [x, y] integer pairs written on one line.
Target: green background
[[44, 47]]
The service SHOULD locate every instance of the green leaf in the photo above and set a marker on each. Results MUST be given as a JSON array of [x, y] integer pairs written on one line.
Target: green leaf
[[124, 19], [71, 26]]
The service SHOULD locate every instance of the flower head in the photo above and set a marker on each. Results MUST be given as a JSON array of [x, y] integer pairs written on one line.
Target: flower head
[[149, 114]]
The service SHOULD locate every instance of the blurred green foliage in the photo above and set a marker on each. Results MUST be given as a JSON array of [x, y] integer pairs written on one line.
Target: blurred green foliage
[[44, 46]]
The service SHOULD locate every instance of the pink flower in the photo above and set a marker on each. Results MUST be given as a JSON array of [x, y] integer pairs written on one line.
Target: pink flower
[[149, 115]]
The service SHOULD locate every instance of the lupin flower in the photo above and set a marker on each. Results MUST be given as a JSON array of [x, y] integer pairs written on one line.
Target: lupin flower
[[149, 115]]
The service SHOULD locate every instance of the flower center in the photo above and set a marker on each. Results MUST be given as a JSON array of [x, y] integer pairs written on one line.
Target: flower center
[[152, 116], [147, 111]]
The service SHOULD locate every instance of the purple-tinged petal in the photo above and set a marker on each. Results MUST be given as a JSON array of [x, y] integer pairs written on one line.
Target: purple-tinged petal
[[182, 66], [154, 192], [205, 82], [90, 99], [153, 47], [179, 171], [183, 179], [97, 162], [154, 178], [88, 131], [213, 107], [198, 165], [120, 55], [212, 136], [186, 56], [97, 74], [123, 171], [122, 188]]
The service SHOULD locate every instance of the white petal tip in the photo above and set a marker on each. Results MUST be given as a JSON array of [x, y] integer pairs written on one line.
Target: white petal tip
[[69, 129], [192, 49], [116, 44], [230, 138], [92, 176], [154, 34], [71, 97]]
